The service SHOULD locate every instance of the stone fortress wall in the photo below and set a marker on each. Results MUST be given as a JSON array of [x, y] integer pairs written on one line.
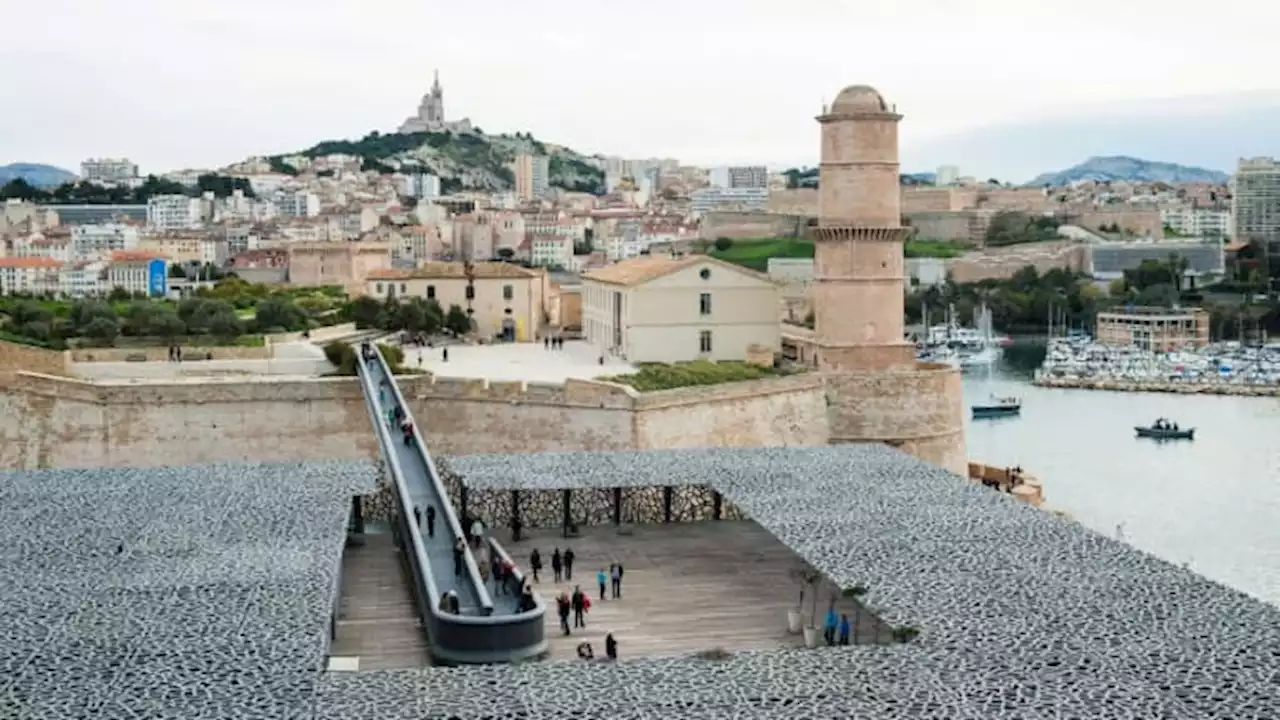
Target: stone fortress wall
[[50, 421]]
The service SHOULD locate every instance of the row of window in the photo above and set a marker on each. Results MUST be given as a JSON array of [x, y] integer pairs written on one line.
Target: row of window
[[508, 291]]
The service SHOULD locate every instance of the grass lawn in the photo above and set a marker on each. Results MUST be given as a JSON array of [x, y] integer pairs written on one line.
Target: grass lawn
[[662, 376], [755, 254]]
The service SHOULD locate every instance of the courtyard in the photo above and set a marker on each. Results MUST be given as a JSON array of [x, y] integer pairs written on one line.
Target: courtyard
[[687, 588], [514, 362]]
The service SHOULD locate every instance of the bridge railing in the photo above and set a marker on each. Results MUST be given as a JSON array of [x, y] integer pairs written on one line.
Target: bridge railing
[[489, 638]]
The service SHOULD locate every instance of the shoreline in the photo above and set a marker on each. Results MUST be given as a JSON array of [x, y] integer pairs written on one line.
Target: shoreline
[[1156, 386]]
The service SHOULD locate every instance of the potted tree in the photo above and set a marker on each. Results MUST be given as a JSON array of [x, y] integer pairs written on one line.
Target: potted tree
[[811, 579], [795, 618]]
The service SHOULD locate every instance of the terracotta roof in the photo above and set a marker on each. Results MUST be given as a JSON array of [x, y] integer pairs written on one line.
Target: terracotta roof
[[126, 256], [488, 270], [643, 269], [33, 263]]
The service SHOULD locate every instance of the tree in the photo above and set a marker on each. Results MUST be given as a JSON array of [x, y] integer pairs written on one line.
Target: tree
[[506, 253], [176, 271], [83, 312], [456, 320], [723, 243], [166, 325], [279, 313], [102, 329], [119, 294], [363, 311]]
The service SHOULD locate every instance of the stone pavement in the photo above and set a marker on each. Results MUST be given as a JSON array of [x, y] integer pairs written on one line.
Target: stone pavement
[[530, 362]]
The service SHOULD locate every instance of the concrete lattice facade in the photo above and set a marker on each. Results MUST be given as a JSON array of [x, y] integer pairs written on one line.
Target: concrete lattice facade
[[876, 389]]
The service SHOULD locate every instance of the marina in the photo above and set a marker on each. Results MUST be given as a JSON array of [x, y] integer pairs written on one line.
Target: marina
[[1228, 368]]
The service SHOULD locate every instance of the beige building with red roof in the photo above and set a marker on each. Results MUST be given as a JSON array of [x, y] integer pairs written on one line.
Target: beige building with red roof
[[676, 309]]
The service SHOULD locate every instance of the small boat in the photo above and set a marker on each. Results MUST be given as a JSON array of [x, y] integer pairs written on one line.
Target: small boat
[[998, 407], [1166, 433]]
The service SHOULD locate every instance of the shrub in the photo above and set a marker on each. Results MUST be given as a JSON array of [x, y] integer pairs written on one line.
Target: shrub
[[904, 633], [336, 352], [659, 376], [718, 654]]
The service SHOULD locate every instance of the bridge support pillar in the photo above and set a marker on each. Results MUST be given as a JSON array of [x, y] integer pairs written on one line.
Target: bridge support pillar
[[462, 508], [617, 506], [717, 504], [516, 524], [666, 504]]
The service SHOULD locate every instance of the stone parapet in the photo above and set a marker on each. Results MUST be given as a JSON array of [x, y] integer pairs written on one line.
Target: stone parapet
[[161, 354], [1157, 385], [19, 358]]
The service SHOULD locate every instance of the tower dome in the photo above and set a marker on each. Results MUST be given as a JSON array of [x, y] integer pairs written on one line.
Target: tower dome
[[859, 99]]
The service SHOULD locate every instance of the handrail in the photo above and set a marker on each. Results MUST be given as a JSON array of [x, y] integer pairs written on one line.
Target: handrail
[[473, 570]]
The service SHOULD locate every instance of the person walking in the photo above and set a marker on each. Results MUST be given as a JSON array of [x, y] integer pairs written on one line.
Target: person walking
[[568, 563], [431, 521], [610, 647], [417, 517], [557, 565], [579, 603], [562, 606], [477, 532], [602, 579], [844, 629], [535, 564], [458, 550], [829, 629], [615, 573]]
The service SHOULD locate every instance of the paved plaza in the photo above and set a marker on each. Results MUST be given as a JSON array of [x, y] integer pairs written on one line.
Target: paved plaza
[[529, 362], [289, 360], [687, 588]]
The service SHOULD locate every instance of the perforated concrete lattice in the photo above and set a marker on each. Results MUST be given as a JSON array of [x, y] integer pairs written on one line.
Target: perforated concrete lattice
[[218, 604]]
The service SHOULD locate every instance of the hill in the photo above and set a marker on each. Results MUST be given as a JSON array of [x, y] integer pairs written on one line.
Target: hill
[[461, 160], [1123, 168], [35, 174]]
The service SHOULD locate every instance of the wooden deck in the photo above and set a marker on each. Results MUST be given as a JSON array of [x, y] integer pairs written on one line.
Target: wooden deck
[[378, 622], [686, 588]]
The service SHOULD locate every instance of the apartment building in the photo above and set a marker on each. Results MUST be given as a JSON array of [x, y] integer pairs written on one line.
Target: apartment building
[[185, 248], [300, 204], [506, 301], [550, 250], [1197, 222], [173, 212], [54, 244], [29, 275], [99, 240], [666, 309], [108, 171], [532, 175], [83, 278], [714, 199], [337, 263], [1154, 329], [743, 176], [1255, 202], [137, 272]]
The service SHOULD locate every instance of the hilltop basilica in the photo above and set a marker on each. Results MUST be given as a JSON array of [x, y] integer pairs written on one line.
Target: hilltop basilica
[[430, 117]]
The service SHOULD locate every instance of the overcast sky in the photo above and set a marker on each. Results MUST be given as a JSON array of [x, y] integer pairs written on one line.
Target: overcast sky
[[180, 83]]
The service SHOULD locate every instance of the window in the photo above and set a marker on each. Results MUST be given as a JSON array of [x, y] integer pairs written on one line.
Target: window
[[378, 288], [705, 273], [431, 292], [704, 341], [704, 304], [471, 292], [402, 290], [508, 292]]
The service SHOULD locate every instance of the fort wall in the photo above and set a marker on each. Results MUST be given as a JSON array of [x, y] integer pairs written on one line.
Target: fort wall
[[49, 421]]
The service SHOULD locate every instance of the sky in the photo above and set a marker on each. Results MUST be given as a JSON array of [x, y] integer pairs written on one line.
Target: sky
[[175, 84]]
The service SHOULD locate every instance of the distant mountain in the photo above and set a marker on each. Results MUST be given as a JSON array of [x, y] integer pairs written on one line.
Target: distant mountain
[[1204, 131], [38, 175], [1122, 168]]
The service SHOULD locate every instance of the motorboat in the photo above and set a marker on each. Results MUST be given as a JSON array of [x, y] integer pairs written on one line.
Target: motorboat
[[1165, 430], [997, 408]]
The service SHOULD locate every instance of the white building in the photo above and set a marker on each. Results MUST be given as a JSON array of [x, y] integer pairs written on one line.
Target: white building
[[532, 174], [131, 271], [34, 275], [1197, 222], [739, 176], [300, 204], [712, 199], [108, 171], [424, 185], [551, 251], [947, 175], [90, 241], [173, 212], [50, 244], [664, 309], [82, 279]]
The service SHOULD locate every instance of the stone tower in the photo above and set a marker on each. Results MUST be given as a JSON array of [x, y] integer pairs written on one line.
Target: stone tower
[[876, 390]]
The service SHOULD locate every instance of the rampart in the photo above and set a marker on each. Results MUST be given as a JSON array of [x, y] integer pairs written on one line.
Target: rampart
[[50, 421]]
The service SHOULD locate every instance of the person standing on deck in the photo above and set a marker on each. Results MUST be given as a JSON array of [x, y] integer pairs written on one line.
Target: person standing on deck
[[844, 629], [535, 564], [579, 602], [562, 607], [601, 580], [477, 532], [568, 563], [610, 647], [829, 629], [615, 572], [431, 521], [458, 550], [557, 565]]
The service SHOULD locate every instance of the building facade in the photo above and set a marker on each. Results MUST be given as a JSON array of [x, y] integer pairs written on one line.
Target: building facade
[[95, 240], [1154, 329], [1255, 203], [138, 272], [739, 176], [108, 171], [504, 300], [29, 275], [173, 212], [532, 174], [347, 264], [665, 309], [1197, 222]]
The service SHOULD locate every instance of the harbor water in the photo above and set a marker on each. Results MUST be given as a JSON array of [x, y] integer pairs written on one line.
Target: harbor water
[[1212, 504]]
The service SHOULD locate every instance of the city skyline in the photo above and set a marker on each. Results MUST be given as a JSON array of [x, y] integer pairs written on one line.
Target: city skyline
[[192, 86]]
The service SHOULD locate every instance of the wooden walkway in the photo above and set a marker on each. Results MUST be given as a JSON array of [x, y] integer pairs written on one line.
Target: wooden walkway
[[686, 588], [378, 622]]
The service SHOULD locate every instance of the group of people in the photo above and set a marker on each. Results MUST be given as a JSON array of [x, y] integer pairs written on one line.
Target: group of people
[[578, 603], [1163, 424], [553, 343], [836, 628], [561, 565], [431, 519], [585, 652], [612, 578]]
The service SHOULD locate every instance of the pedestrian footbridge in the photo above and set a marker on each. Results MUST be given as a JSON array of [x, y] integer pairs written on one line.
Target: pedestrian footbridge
[[487, 629]]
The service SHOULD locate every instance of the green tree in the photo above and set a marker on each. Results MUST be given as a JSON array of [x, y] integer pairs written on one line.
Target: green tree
[[166, 325], [83, 312], [226, 325], [280, 313], [102, 329], [456, 320], [723, 243], [363, 311]]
